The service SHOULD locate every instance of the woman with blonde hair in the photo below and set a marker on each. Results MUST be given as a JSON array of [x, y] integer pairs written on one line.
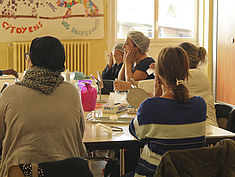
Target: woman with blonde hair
[[198, 83]]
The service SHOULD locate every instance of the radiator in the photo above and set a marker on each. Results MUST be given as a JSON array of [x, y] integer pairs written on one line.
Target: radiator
[[18, 55], [77, 56]]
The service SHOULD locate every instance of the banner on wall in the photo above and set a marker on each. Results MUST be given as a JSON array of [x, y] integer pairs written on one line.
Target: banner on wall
[[23, 20]]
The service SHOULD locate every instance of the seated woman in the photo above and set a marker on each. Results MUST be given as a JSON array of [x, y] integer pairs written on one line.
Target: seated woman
[[41, 118], [198, 83], [136, 61], [172, 119], [111, 70]]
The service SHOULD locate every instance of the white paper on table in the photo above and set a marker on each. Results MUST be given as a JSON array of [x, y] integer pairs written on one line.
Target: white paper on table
[[147, 85], [151, 71]]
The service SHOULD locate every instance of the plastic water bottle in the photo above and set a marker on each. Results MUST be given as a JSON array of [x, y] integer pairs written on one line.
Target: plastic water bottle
[[89, 97], [67, 75]]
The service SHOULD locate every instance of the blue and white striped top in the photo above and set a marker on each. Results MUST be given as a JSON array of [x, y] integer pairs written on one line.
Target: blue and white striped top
[[167, 125]]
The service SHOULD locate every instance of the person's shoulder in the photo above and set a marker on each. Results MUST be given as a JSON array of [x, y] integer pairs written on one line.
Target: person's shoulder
[[197, 73], [199, 100], [12, 87], [67, 89], [148, 60], [11, 90], [68, 85], [144, 63], [152, 101]]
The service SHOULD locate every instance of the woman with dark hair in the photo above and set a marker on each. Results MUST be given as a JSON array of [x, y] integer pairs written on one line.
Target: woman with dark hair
[[171, 120], [41, 118], [198, 83]]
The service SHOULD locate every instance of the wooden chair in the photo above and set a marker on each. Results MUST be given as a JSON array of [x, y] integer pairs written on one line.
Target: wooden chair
[[15, 171]]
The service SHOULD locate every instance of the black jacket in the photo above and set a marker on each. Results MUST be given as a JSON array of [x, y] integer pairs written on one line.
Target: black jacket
[[111, 73], [217, 161]]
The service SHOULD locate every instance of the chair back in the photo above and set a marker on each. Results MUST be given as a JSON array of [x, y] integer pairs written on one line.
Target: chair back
[[231, 121], [222, 113], [207, 161], [15, 171]]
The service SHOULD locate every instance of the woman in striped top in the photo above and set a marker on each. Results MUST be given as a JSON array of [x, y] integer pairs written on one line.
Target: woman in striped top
[[172, 119]]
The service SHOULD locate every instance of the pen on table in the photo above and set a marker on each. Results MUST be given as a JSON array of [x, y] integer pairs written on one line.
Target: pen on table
[[117, 128]]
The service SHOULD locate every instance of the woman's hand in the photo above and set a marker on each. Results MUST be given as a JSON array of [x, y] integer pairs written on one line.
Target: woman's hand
[[118, 56], [110, 59], [121, 86], [158, 86], [10, 72], [130, 56], [152, 65]]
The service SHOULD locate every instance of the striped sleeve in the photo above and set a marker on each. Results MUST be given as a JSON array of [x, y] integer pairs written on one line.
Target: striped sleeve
[[135, 128]]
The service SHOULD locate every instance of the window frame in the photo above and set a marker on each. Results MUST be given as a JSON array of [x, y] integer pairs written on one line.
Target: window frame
[[156, 41]]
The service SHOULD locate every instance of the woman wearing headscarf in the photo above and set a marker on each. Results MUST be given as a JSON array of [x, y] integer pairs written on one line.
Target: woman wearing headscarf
[[198, 83], [112, 69], [136, 61], [41, 118]]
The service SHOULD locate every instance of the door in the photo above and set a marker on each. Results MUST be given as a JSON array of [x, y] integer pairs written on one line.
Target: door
[[226, 52]]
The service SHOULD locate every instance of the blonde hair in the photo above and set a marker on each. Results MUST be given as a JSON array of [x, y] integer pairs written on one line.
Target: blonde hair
[[195, 54]]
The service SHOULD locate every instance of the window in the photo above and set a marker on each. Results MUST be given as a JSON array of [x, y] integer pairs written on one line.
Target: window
[[135, 15], [157, 18]]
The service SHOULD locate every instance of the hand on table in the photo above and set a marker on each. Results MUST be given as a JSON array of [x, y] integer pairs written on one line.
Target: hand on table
[[110, 59], [121, 85], [10, 72]]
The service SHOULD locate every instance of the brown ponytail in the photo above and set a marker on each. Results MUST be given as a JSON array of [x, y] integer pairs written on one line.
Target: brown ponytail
[[173, 66], [195, 54], [202, 54], [180, 93]]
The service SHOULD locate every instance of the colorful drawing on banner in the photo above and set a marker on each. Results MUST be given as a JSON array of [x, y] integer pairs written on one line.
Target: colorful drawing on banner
[[81, 18], [12, 5], [90, 7]]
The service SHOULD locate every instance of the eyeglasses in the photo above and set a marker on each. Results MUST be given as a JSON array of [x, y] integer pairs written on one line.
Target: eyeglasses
[[27, 55]]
